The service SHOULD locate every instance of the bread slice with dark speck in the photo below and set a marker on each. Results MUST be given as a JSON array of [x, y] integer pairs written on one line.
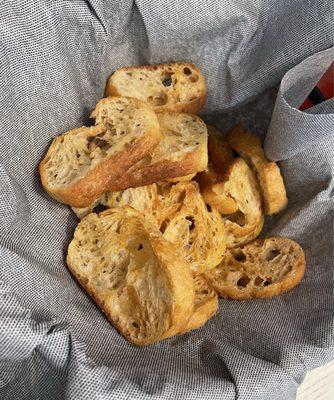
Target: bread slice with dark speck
[[263, 268]]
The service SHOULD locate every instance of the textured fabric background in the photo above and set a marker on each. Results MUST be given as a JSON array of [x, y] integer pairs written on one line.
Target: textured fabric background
[[54, 61]]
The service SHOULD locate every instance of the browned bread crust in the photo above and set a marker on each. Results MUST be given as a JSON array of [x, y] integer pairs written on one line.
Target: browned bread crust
[[262, 268], [82, 164]]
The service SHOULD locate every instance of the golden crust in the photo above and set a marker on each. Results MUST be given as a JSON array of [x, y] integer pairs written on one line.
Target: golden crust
[[260, 269], [157, 172], [152, 287], [97, 179], [86, 190], [269, 176], [236, 196], [169, 95], [185, 178]]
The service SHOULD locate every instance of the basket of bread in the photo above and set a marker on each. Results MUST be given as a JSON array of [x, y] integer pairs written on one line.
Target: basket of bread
[[170, 208]]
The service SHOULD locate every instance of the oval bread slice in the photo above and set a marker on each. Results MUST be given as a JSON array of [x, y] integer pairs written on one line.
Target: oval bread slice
[[263, 268], [138, 279], [178, 87], [83, 163], [268, 174]]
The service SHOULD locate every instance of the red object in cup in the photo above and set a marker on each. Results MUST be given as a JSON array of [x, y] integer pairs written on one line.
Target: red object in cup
[[322, 91]]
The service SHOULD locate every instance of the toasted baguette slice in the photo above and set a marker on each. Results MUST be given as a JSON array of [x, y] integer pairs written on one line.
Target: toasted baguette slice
[[138, 279], [206, 304], [263, 268], [182, 151], [178, 87], [82, 164], [269, 176], [198, 232], [240, 184]]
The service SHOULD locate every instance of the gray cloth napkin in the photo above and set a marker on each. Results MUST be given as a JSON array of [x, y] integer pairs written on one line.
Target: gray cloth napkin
[[54, 61]]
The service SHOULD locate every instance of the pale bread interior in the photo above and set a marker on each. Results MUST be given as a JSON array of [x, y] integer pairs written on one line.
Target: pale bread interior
[[182, 134], [197, 231], [120, 122], [159, 85], [123, 265]]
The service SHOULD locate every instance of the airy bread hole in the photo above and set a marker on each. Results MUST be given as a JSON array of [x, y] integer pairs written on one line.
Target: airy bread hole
[[205, 292], [99, 208], [288, 270], [164, 225], [258, 281], [272, 253], [208, 207], [238, 218], [94, 142], [140, 246], [267, 282], [187, 71], [238, 255], [192, 222], [135, 324], [243, 281], [167, 80]]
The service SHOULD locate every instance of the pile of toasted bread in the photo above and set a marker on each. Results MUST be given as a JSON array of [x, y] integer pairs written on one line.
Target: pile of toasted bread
[[183, 206]]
